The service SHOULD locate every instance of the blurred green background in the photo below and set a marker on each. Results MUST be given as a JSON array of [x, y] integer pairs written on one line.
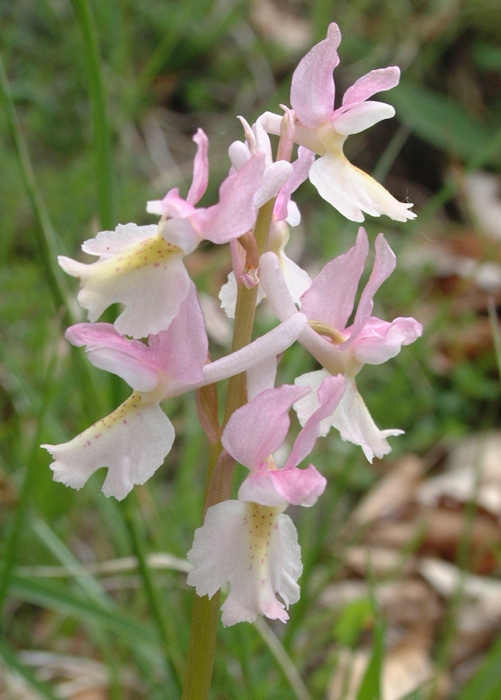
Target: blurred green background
[[100, 101]]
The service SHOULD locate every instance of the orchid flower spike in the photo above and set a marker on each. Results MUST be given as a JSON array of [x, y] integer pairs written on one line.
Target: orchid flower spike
[[328, 304], [250, 543], [323, 130], [133, 441], [142, 267]]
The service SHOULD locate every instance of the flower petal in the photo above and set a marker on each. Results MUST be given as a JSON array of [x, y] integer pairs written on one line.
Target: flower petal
[[380, 341], [261, 377], [297, 279], [309, 403], [108, 243], [384, 263], [351, 191], [362, 116], [300, 169], [131, 360], [351, 418], [300, 487], [255, 550], [171, 206], [270, 344], [258, 428], [274, 177], [329, 394], [235, 213], [312, 88], [132, 442], [331, 297], [371, 83], [182, 349], [148, 277], [200, 168]]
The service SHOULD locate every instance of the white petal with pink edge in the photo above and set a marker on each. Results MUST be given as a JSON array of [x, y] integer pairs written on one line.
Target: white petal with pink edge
[[255, 550], [132, 442]]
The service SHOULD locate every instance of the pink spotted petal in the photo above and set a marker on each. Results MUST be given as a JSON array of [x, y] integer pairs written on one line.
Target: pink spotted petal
[[109, 243], [200, 168], [258, 428], [132, 442], [131, 360], [372, 83], [257, 564], [312, 89]]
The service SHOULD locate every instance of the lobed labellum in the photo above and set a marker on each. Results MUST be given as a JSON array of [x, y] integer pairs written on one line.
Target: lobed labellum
[[148, 252]]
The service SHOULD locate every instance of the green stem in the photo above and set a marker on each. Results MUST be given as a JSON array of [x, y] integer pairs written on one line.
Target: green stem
[[244, 315], [205, 614]]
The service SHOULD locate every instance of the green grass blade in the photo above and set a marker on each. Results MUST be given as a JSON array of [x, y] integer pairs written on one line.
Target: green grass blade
[[86, 582], [56, 597], [47, 239], [100, 122], [496, 332], [173, 657], [12, 662], [299, 690], [441, 121], [10, 549], [370, 688], [486, 683]]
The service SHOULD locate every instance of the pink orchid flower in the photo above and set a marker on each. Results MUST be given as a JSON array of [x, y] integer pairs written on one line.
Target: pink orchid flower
[[250, 543], [328, 304], [323, 130], [133, 441], [142, 267], [280, 183]]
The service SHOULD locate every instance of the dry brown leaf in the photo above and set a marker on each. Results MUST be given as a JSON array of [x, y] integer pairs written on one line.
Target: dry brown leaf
[[91, 694], [279, 26], [473, 471], [348, 675], [482, 191], [405, 668], [380, 560], [392, 493]]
